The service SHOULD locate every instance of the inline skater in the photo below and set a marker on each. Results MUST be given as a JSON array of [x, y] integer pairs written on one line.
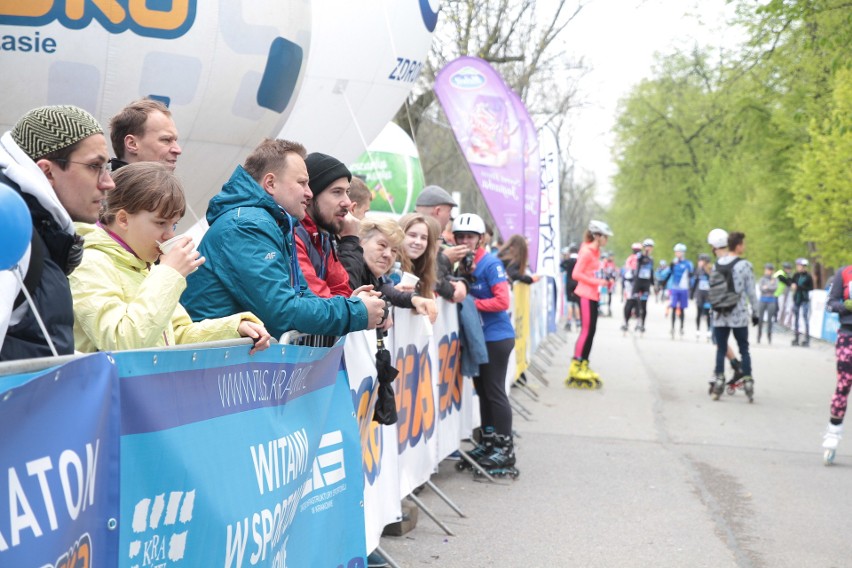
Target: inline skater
[[735, 279], [588, 290], [682, 271], [661, 278], [628, 277], [840, 302], [490, 290], [768, 285], [644, 281], [700, 292]]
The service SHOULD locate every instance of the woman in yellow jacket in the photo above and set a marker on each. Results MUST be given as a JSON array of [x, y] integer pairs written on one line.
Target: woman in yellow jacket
[[122, 300], [588, 290]]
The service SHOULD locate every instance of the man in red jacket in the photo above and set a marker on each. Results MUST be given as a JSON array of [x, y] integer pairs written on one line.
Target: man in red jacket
[[325, 219]]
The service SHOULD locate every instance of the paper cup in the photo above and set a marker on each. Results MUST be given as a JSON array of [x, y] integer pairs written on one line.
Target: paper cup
[[409, 279], [170, 244]]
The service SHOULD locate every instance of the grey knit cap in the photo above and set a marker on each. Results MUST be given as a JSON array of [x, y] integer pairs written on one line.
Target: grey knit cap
[[50, 128]]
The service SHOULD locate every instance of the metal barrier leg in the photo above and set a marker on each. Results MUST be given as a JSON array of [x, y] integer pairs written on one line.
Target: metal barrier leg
[[538, 374], [387, 557], [525, 388], [523, 408], [445, 499], [429, 514], [517, 410]]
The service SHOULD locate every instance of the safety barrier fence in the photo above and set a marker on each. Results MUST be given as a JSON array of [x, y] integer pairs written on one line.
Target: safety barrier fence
[[202, 455]]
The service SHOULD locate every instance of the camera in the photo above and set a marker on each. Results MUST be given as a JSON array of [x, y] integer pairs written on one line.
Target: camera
[[466, 263]]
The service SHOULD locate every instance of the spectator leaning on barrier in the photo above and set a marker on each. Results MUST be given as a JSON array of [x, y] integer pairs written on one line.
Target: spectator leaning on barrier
[[327, 216], [368, 262], [56, 157], [144, 131], [122, 300], [251, 258], [419, 252]]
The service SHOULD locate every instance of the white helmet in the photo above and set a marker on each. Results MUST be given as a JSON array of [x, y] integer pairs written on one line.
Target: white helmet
[[648, 243], [599, 228], [680, 247], [718, 238], [636, 247], [802, 261], [469, 223]]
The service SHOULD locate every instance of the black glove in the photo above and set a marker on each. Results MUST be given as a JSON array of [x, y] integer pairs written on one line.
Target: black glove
[[754, 319]]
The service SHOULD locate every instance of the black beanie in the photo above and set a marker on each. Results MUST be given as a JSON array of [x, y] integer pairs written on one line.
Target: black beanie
[[323, 170]]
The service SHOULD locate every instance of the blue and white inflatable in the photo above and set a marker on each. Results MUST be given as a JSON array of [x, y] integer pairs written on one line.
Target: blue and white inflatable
[[328, 74]]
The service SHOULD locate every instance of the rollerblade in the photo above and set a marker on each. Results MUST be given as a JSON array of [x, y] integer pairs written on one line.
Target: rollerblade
[[480, 451], [624, 329], [581, 377], [830, 441], [795, 342], [500, 462], [568, 326], [717, 385], [736, 381], [747, 384]]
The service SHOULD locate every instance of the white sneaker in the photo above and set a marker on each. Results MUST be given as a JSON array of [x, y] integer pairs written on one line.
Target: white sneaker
[[832, 437]]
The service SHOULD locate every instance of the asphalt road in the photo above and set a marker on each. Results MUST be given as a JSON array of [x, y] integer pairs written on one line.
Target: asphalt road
[[649, 471]]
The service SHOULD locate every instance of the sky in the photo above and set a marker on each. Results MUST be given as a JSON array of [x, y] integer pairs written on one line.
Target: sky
[[618, 40]]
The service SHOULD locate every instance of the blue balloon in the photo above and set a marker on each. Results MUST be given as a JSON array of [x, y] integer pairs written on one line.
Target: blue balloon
[[16, 227]]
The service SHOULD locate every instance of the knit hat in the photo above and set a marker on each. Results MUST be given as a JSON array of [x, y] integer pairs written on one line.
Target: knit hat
[[50, 128], [433, 195], [323, 170]]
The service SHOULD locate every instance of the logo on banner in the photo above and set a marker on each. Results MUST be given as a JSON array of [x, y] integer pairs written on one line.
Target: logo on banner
[[430, 15], [467, 79], [161, 529], [449, 375], [414, 402], [116, 16], [80, 555], [370, 430]]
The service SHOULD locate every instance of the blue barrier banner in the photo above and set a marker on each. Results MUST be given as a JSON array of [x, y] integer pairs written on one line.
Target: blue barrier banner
[[59, 466], [231, 460]]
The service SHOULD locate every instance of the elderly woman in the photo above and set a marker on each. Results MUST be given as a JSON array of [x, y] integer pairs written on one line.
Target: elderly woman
[[368, 262]]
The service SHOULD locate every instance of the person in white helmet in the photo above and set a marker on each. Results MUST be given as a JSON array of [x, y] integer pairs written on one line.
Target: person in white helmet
[[736, 318], [644, 282], [588, 290], [682, 271], [490, 289]]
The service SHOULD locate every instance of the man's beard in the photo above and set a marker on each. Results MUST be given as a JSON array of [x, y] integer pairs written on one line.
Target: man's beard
[[331, 228]]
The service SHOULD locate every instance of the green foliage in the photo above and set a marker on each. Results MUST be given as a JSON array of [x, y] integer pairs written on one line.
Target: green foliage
[[757, 141]]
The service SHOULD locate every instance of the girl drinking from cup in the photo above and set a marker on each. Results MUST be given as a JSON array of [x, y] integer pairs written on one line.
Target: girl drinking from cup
[[122, 300]]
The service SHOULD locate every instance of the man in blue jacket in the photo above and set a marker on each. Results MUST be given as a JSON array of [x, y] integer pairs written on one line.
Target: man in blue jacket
[[251, 257]]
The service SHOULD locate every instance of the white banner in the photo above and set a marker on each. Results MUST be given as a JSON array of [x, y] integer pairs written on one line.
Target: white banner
[[417, 441], [548, 239], [445, 349], [378, 443]]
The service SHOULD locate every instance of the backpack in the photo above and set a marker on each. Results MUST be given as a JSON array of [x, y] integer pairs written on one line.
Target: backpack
[[722, 296]]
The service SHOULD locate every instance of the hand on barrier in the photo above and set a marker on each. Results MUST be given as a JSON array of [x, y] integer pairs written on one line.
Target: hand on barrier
[[375, 306], [257, 332], [425, 307], [183, 257], [460, 291]]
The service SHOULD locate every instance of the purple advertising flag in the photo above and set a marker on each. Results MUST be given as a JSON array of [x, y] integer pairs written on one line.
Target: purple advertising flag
[[480, 110], [532, 179]]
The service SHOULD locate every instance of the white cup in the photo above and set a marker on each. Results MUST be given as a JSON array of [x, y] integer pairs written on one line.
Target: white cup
[[409, 279], [168, 245]]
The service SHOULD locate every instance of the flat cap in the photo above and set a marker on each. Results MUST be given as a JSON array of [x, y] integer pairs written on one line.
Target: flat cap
[[433, 195]]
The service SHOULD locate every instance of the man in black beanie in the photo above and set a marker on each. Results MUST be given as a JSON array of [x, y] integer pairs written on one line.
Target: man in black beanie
[[327, 217]]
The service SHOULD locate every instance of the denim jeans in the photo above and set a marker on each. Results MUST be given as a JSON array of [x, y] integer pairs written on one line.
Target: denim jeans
[[805, 310], [741, 335]]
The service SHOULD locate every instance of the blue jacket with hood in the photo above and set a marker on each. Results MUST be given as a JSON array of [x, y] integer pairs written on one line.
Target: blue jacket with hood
[[252, 266]]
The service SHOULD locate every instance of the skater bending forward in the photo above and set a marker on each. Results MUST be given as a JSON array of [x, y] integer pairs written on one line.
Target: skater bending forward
[[840, 302], [588, 290]]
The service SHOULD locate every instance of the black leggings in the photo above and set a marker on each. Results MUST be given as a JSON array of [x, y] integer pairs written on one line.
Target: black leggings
[[494, 409]]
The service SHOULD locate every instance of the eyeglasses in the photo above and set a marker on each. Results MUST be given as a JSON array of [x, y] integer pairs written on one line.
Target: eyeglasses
[[100, 170]]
